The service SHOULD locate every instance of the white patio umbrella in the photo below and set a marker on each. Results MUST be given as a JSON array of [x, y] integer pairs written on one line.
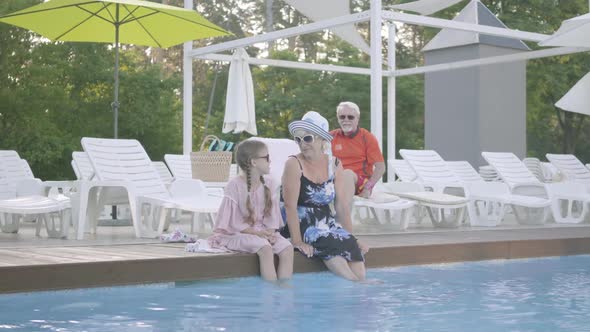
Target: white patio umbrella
[[239, 102], [426, 7], [324, 9], [574, 32], [578, 98]]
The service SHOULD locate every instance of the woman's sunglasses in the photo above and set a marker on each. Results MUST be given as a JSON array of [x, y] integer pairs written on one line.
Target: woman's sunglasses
[[306, 139], [349, 117]]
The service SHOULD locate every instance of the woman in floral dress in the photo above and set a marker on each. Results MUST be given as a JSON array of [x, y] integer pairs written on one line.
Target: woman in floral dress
[[311, 182]]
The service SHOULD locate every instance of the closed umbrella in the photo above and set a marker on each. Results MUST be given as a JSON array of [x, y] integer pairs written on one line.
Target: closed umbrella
[[114, 21], [578, 98], [239, 102]]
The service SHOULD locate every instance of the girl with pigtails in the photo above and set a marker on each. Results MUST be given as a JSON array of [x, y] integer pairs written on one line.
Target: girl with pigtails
[[249, 215]]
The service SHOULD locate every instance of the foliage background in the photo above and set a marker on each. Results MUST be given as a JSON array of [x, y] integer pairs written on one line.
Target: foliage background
[[53, 94]]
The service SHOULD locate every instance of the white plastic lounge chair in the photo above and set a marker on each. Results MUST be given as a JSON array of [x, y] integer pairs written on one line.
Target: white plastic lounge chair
[[163, 171], [444, 210], [124, 163], [400, 209], [482, 212], [27, 169], [279, 150], [107, 196], [402, 170], [477, 186], [570, 167], [19, 175], [55, 214], [566, 208], [111, 196], [551, 173], [179, 165], [394, 208], [487, 200], [22, 197], [82, 166], [438, 179], [488, 173], [534, 165], [464, 171], [432, 171]]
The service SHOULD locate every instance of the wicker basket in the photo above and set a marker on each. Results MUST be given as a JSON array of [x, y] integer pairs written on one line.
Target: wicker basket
[[210, 166]]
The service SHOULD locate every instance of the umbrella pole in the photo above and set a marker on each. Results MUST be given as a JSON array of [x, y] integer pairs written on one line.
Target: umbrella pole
[[115, 104]]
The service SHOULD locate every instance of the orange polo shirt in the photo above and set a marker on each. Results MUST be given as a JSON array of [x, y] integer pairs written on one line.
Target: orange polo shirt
[[358, 152]]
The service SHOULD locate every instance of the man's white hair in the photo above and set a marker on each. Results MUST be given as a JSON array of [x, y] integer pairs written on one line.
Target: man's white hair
[[349, 104]]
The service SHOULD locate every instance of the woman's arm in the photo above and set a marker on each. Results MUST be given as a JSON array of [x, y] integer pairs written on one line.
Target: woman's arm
[[291, 186], [291, 182]]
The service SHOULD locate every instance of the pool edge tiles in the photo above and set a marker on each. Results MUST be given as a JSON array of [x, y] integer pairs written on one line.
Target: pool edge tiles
[[35, 277]]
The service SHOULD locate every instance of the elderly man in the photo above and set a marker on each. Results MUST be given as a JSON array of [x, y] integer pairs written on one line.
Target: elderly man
[[358, 150]]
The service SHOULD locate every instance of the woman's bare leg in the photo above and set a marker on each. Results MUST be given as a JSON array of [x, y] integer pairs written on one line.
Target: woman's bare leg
[[267, 263], [339, 266], [285, 269], [358, 268]]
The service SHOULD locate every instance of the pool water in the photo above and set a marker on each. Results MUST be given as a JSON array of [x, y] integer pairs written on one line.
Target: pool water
[[547, 294]]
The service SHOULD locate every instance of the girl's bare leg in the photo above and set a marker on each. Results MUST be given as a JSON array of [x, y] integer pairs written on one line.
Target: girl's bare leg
[[267, 263], [285, 268]]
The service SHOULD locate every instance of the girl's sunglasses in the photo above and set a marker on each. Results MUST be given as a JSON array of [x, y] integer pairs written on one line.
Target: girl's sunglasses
[[307, 139], [267, 157], [349, 117]]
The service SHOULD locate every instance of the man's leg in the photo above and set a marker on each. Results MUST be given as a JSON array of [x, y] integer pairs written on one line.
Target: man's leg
[[344, 195]]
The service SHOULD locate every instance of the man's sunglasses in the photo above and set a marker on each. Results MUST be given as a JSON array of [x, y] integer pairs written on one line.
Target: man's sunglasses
[[307, 139], [349, 117], [267, 157]]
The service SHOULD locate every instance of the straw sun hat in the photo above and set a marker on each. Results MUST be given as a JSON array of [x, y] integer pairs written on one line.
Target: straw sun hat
[[314, 123]]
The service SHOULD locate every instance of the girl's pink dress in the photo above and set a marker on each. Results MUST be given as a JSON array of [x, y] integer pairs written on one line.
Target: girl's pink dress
[[231, 218]]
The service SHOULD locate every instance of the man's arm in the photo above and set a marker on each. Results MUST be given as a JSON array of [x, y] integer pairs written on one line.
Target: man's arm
[[374, 156], [378, 172]]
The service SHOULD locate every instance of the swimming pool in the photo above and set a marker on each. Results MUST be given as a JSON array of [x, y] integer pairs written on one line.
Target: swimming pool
[[547, 294]]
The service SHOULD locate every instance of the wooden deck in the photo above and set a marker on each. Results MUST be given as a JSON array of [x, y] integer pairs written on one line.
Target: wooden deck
[[114, 257]]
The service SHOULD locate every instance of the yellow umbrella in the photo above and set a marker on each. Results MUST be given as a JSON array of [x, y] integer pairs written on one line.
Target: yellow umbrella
[[114, 21]]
